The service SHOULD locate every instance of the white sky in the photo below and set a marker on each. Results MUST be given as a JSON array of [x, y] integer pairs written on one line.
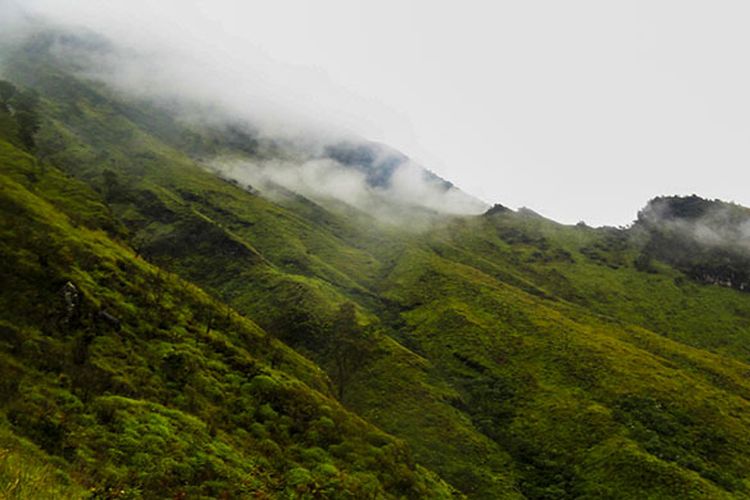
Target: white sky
[[577, 109]]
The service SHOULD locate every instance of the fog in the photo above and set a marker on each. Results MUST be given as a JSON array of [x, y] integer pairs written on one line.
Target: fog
[[221, 79], [713, 224], [408, 196], [203, 90], [580, 110]]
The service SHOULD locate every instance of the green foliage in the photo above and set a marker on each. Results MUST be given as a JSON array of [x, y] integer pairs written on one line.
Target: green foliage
[[349, 346], [19, 114], [140, 385], [704, 239], [510, 355], [26, 472]]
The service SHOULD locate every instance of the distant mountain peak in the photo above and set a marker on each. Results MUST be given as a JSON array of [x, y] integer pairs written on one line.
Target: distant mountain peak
[[497, 209]]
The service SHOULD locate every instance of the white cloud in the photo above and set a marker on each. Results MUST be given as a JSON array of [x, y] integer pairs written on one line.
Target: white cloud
[[581, 110], [409, 195]]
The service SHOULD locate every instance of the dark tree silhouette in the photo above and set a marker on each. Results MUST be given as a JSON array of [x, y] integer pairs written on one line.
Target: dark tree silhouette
[[7, 91], [349, 346]]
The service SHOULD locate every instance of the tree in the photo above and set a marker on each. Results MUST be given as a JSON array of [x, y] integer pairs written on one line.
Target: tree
[[112, 185], [7, 91], [349, 346], [25, 108]]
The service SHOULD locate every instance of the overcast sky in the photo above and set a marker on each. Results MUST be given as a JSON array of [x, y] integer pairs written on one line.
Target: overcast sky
[[578, 110]]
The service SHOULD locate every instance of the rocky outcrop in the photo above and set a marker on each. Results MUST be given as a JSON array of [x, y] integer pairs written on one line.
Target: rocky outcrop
[[71, 304]]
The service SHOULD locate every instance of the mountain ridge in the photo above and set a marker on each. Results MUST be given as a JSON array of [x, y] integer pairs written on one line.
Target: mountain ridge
[[494, 356]]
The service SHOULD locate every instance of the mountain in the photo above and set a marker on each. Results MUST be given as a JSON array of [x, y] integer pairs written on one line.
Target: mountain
[[137, 383], [170, 331]]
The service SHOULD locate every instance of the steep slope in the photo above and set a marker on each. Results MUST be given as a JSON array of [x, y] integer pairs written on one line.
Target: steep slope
[[515, 356], [568, 392], [133, 383], [606, 270], [289, 267]]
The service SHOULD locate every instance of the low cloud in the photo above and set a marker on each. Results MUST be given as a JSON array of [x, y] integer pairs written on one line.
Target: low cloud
[[408, 194], [303, 125], [710, 223], [145, 54]]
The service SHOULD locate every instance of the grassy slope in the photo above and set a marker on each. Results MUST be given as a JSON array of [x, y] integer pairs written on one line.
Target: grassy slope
[[520, 355], [184, 396], [27, 472], [283, 267], [565, 390], [595, 268]]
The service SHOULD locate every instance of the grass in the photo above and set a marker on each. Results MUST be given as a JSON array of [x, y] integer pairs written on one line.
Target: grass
[[182, 395], [511, 356], [25, 472]]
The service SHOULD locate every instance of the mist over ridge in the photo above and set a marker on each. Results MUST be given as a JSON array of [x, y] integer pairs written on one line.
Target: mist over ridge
[[281, 147], [390, 188], [214, 287], [501, 129]]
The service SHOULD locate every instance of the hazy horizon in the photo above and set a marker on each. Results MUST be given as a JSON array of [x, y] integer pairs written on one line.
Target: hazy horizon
[[579, 111]]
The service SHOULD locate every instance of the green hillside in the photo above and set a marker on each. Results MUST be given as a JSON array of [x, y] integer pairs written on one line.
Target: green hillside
[[120, 380], [167, 332]]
